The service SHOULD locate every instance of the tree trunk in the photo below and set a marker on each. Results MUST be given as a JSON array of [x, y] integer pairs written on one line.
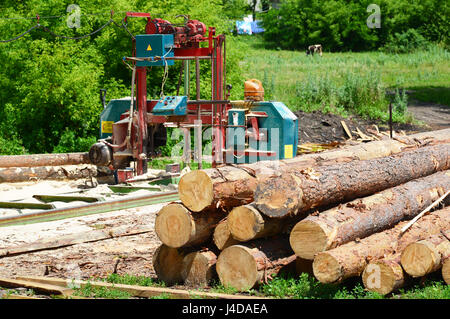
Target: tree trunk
[[168, 263], [44, 160], [350, 259], [446, 270], [244, 266], [222, 237], [231, 186], [246, 223], [176, 226], [25, 174], [199, 268], [303, 189], [384, 275], [363, 217], [425, 256]]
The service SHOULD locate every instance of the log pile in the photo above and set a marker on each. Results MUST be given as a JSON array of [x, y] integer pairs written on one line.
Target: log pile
[[337, 214]]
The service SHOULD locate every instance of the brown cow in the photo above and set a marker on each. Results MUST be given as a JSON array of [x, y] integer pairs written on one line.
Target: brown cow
[[316, 48]]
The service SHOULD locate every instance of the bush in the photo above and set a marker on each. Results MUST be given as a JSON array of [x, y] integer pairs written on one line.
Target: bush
[[406, 42]]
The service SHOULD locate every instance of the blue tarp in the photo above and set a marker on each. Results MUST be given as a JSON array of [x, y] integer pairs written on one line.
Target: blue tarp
[[248, 27]]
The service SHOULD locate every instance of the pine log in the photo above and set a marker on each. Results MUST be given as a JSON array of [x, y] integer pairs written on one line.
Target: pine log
[[363, 217], [446, 270], [35, 160], [246, 223], [222, 237], [231, 186], [247, 265], [199, 268], [168, 263], [350, 259], [26, 174], [384, 275], [176, 226], [299, 190], [425, 256]]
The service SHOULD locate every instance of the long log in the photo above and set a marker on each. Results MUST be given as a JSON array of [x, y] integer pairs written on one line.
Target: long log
[[384, 275], [35, 160], [363, 217], [425, 256], [300, 190], [446, 270], [25, 174], [176, 226], [222, 237], [247, 265], [350, 259], [199, 268], [231, 186]]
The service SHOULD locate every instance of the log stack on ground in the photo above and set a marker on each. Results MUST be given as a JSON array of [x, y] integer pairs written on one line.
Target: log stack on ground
[[335, 215]]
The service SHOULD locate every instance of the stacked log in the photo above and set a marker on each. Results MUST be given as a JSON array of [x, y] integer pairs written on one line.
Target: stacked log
[[335, 215]]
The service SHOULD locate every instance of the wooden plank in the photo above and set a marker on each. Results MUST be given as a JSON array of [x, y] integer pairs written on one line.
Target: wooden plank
[[67, 199], [37, 286], [346, 129], [130, 189], [138, 291], [73, 239], [18, 205]]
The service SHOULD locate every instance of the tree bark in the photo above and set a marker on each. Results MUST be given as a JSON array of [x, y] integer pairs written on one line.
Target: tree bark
[[363, 217], [25, 174], [199, 268], [246, 265], [384, 275], [222, 237], [231, 186], [35, 160], [299, 190], [176, 226], [425, 256], [350, 259]]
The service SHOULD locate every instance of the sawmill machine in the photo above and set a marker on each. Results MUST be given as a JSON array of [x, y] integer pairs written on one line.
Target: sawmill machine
[[132, 128]]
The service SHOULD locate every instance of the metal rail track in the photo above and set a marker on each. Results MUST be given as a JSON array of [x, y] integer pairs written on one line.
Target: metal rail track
[[88, 209]]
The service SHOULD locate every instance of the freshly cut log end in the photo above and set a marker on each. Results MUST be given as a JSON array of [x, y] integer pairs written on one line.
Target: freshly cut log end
[[382, 277], [237, 268], [326, 268], [174, 225], [278, 197], [308, 238], [446, 270], [419, 259], [196, 190], [198, 268], [222, 237], [245, 222], [167, 263]]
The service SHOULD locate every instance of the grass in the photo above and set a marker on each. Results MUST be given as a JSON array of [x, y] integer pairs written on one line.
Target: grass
[[346, 83]]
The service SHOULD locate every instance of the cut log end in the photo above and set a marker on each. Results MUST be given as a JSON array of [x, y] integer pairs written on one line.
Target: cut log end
[[237, 268], [418, 259], [198, 268], [167, 263], [274, 197], [222, 237], [382, 278], [308, 238], [196, 190], [326, 268], [174, 225], [244, 223], [446, 270]]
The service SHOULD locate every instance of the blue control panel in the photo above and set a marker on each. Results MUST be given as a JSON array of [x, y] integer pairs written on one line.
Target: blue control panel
[[171, 105]]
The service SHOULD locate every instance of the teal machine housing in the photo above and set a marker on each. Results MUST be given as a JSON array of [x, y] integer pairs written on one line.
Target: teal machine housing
[[111, 114], [154, 45], [279, 131]]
